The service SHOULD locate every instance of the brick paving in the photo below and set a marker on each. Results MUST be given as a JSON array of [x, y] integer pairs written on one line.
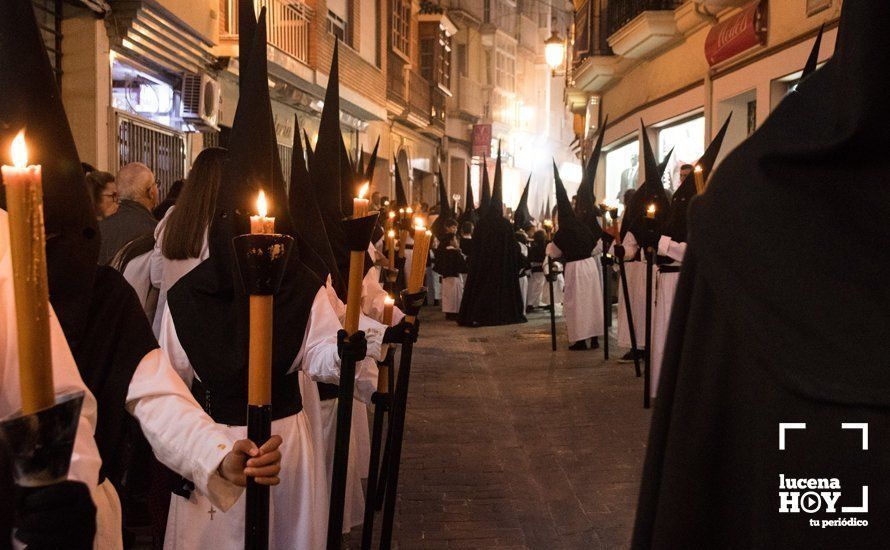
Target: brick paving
[[509, 445]]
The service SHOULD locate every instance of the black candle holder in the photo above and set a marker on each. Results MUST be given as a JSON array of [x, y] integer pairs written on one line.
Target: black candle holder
[[261, 260], [359, 231], [41, 443]]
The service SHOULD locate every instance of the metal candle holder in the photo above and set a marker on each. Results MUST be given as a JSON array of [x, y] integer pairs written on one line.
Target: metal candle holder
[[41, 443]]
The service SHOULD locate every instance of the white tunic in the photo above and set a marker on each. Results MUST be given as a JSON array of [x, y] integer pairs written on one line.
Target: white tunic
[[558, 286], [452, 294], [636, 287], [665, 288], [299, 505], [165, 272], [583, 304], [537, 282]]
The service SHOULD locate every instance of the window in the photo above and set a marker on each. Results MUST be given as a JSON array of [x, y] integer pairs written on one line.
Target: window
[[622, 170], [687, 140], [435, 54], [462, 60], [49, 19], [505, 69], [401, 26], [337, 27]]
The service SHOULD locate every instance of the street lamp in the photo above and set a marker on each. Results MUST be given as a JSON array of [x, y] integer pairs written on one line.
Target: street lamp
[[554, 51]]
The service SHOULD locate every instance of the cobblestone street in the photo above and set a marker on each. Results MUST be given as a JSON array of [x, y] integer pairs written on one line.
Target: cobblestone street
[[509, 445]]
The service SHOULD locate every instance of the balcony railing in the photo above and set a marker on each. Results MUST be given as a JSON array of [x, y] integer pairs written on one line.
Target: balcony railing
[[396, 85], [419, 102], [437, 107], [287, 24], [591, 38], [621, 12]]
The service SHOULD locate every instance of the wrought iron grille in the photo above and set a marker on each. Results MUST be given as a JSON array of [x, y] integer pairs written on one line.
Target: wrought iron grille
[[161, 149], [621, 12]]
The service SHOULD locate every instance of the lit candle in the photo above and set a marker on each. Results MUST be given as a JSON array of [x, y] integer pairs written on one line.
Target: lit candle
[[360, 204], [422, 240], [650, 211], [24, 202], [388, 303], [699, 179], [390, 220], [262, 224], [259, 365], [391, 247]]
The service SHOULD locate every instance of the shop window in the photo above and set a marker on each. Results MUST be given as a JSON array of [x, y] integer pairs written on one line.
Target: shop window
[[687, 139], [622, 170], [401, 27]]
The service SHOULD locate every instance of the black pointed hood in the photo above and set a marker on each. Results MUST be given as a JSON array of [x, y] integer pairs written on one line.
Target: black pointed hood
[[675, 226], [662, 166], [325, 173], [485, 198], [310, 151], [521, 216], [372, 163], [401, 197], [350, 179], [31, 101], [209, 304], [247, 26], [315, 249], [586, 201], [469, 214], [446, 210], [573, 237], [813, 60], [497, 191], [650, 192]]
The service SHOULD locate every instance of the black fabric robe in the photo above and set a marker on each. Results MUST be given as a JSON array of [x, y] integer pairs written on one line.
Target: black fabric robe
[[781, 316]]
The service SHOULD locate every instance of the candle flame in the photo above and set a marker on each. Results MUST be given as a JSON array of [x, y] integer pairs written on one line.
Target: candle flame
[[19, 151], [392, 214], [651, 209], [391, 234], [401, 210], [409, 210], [363, 191], [261, 207], [388, 301], [698, 169]]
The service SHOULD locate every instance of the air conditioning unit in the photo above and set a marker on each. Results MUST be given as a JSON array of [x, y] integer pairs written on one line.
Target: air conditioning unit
[[200, 101]]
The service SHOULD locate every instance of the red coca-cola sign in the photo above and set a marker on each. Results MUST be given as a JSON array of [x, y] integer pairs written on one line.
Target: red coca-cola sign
[[737, 34]]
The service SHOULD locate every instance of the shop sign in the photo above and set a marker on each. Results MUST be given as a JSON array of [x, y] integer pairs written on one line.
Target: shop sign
[[740, 32], [482, 140]]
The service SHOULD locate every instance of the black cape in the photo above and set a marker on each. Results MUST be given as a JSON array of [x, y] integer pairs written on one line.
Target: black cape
[[781, 316], [492, 295], [573, 236]]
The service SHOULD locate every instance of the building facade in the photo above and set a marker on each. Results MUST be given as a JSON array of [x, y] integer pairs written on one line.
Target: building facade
[[682, 66], [155, 81]]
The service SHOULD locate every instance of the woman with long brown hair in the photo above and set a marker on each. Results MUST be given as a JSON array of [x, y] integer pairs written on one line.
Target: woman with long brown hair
[[181, 237]]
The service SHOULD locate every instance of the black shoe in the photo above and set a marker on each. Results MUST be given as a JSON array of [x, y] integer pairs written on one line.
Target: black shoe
[[595, 343], [627, 357], [530, 309], [436, 302], [451, 316], [547, 308], [580, 345]]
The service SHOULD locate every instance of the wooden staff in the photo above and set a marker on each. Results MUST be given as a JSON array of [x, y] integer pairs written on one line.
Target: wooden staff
[[24, 202]]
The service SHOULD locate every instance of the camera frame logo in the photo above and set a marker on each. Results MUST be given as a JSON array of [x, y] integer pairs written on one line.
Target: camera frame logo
[[820, 495]]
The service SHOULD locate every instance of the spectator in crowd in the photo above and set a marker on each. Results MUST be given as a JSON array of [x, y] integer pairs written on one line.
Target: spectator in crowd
[[103, 192], [181, 237], [161, 210], [138, 196], [376, 203]]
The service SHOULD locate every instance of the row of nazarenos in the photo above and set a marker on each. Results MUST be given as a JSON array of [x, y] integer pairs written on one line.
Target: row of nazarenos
[[780, 315], [188, 399]]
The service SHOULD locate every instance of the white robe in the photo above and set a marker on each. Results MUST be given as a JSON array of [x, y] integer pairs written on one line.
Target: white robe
[[452, 294], [299, 505], [665, 288], [165, 272], [636, 287], [583, 305], [85, 461], [537, 283], [558, 287]]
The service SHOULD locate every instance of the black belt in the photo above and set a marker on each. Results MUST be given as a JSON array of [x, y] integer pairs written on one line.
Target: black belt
[[326, 392], [669, 268], [231, 409]]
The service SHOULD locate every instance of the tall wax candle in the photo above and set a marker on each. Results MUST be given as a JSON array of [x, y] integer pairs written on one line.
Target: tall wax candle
[[360, 204], [259, 373], [383, 373], [699, 179], [391, 248], [24, 202]]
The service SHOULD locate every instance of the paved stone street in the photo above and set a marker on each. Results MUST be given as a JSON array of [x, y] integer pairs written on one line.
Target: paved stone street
[[509, 445]]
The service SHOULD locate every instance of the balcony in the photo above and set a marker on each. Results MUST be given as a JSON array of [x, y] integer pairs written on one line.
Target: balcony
[[419, 100], [287, 25], [437, 112], [396, 83], [469, 98], [639, 28]]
